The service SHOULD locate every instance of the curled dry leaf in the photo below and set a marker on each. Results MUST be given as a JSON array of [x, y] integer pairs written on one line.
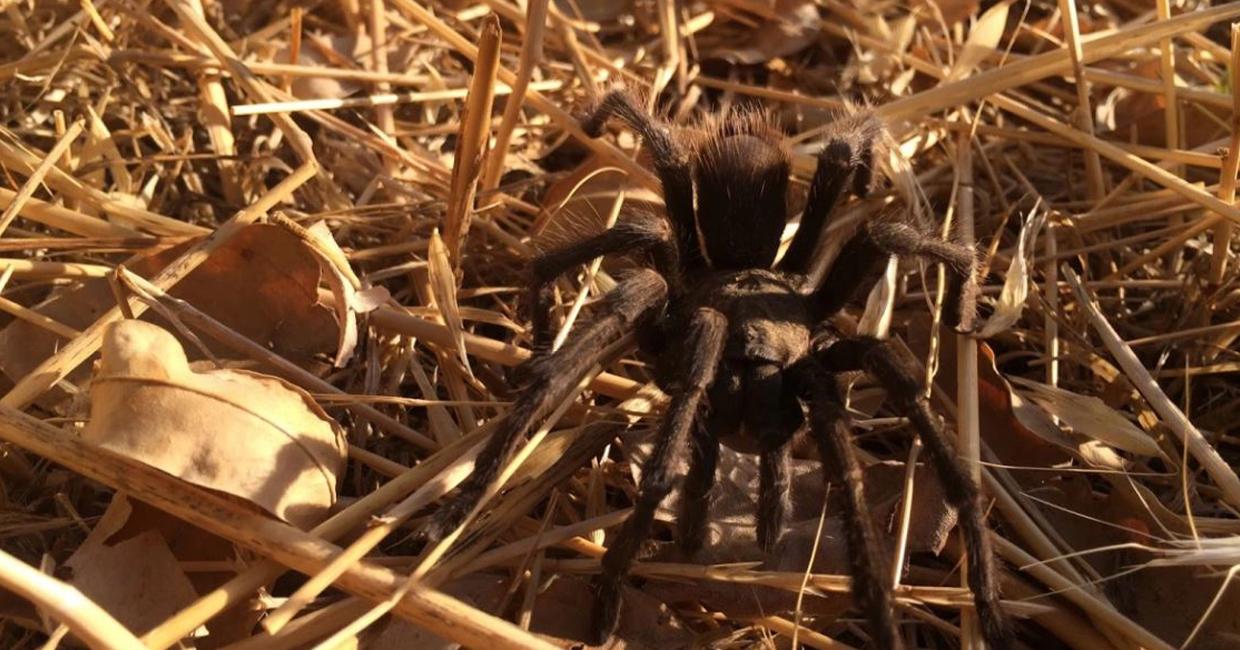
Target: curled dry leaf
[[352, 298], [250, 435], [1016, 284]]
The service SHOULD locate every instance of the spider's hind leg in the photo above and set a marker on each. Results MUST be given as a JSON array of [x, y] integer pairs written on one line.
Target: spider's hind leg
[[896, 369], [707, 331]]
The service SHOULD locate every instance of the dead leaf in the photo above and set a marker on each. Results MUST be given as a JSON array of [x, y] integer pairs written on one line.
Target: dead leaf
[[263, 283], [982, 41], [250, 435], [1090, 417], [795, 26], [1016, 283], [138, 580]]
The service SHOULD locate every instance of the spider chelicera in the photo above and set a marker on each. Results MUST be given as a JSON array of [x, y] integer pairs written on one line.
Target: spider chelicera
[[746, 346]]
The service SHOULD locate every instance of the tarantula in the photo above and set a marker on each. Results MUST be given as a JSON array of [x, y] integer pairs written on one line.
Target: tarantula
[[728, 328]]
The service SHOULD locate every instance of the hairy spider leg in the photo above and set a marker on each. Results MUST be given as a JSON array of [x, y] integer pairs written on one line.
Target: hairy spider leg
[[773, 416], [707, 331], [847, 156], [861, 264], [670, 162], [896, 369], [625, 237], [721, 419], [550, 380], [833, 434]]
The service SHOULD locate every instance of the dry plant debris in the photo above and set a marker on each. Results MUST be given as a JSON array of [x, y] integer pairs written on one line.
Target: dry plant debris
[[335, 201]]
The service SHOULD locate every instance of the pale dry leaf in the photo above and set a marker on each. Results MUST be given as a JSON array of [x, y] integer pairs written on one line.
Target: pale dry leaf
[[1090, 417], [250, 435], [443, 286], [1016, 284], [982, 41]]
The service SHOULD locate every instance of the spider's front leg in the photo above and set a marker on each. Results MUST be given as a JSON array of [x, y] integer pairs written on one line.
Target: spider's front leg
[[862, 260], [896, 369], [550, 381], [670, 162], [846, 159], [833, 434], [707, 331], [643, 234]]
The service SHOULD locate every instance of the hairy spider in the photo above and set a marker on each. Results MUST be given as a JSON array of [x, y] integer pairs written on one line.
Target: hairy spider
[[727, 327]]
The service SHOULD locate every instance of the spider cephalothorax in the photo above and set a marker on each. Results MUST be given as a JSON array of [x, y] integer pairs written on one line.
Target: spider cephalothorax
[[729, 333]]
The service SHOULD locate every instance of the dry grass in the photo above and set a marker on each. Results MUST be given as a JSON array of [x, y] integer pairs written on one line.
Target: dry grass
[[441, 155]]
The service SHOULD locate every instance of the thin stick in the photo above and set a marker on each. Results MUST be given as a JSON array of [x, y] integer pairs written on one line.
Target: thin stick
[[1223, 475], [472, 141], [1171, 108], [1231, 166], [223, 516], [531, 54], [36, 177], [1084, 108], [968, 422]]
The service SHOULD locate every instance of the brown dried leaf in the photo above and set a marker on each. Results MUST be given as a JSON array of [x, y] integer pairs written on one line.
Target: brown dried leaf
[[794, 28], [138, 580], [249, 435], [263, 283]]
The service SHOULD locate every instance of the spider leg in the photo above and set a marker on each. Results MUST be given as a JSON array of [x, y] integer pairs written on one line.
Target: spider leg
[[861, 263], [772, 415], [848, 155], [895, 368], [628, 236], [722, 420], [551, 379], [670, 162], [708, 329], [832, 431]]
